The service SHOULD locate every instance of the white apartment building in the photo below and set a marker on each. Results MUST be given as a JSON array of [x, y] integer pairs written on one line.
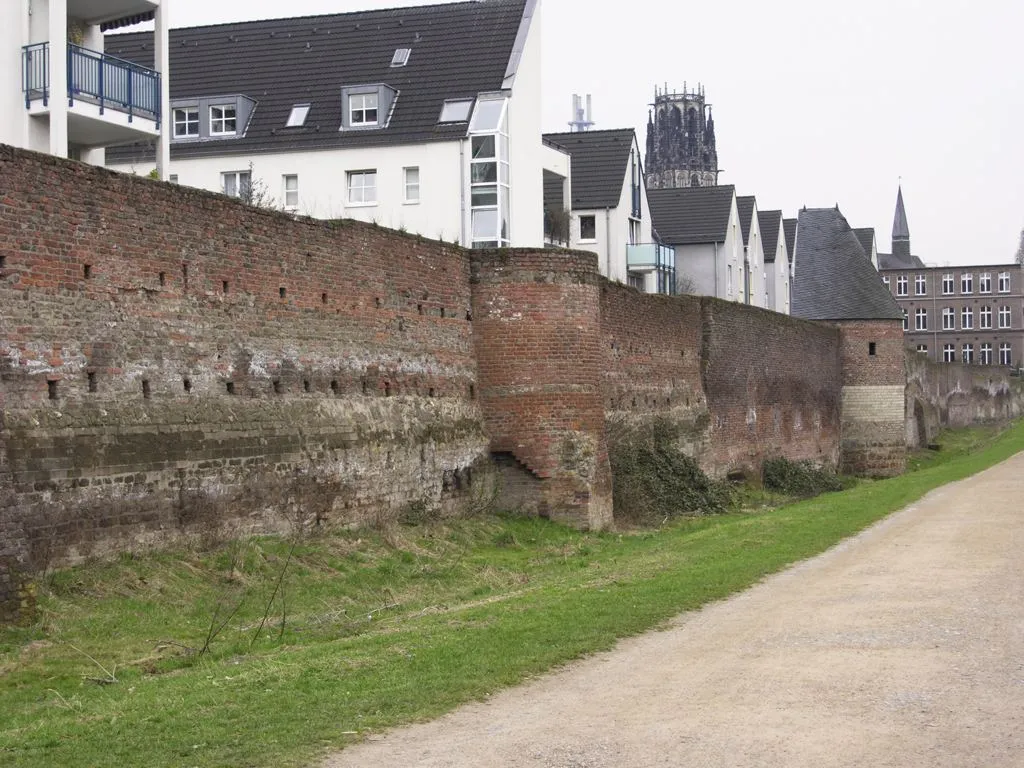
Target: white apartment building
[[63, 95], [610, 215], [426, 119]]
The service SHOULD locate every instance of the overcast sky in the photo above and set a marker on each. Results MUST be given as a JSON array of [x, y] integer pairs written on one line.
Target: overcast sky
[[815, 103]]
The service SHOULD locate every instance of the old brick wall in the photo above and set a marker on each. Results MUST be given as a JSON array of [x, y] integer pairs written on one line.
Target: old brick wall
[[873, 413], [175, 363], [940, 395], [652, 372], [537, 328], [722, 375], [772, 383]]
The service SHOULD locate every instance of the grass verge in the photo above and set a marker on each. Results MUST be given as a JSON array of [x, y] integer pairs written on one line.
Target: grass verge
[[378, 630]]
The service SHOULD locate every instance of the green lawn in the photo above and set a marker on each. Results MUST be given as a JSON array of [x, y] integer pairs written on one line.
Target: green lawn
[[378, 628]]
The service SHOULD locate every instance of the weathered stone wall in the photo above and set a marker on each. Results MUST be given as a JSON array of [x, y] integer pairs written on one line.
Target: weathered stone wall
[[721, 375], [772, 384], [873, 426], [174, 363], [536, 321], [941, 395]]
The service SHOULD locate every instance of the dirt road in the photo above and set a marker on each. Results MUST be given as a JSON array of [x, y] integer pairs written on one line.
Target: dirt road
[[901, 647]]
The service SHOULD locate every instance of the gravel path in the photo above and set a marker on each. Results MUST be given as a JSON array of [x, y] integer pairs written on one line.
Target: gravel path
[[903, 646]]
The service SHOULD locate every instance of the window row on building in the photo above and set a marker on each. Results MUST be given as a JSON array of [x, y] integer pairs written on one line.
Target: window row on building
[[360, 187], [1005, 319], [949, 284], [985, 353]]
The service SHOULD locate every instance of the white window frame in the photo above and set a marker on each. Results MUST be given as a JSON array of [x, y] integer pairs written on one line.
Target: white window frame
[[218, 125], [490, 215], [456, 111], [948, 319], [922, 348], [885, 279], [297, 117], [920, 285], [367, 193], [985, 282], [359, 103], [948, 353], [1005, 353], [967, 319], [906, 321], [967, 353], [1005, 318], [985, 353], [902, 286], [411, 188], [966, 284], [593, 219], [948, 284], [1004, 282], [985, 318], [190, 119], [921, 319], [290, 191], [238, 181]]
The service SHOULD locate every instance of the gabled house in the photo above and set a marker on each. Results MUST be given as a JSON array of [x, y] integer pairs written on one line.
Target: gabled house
[[61, 93], [755, 280], [609, 208], [425, 118], [789, 227], [702, 224], [776, 259]]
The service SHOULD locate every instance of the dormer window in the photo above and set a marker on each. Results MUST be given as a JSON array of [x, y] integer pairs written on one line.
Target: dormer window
[[401, 57], [367, 107], [223, 119], [456, 111], [297, 117], [186, 122], [362, 109]]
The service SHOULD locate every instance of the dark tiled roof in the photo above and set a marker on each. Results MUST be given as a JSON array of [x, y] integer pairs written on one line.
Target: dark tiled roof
[[598, 167], [789, 225], [770, 224], [866, 236], [745, 207], [458, 50], [833, 279], [894, 261], [691, 215]]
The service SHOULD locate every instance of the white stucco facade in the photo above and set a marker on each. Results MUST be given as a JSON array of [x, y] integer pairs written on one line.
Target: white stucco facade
[[777, 271], [716, 268], [43, 43], [315, 183], [616, 229], [755, 265]]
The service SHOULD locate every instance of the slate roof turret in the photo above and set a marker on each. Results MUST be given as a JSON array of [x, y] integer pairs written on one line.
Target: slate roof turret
[[834, 279]]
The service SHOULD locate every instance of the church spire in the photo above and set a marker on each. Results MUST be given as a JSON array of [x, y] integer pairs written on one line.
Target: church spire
[[900, 229]]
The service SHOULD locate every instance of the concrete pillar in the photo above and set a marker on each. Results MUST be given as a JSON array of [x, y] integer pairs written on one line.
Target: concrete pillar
[[58, 38], [162, 60]]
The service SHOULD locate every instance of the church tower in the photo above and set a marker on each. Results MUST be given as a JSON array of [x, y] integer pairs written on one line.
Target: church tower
[[681, 141], [900, 230]]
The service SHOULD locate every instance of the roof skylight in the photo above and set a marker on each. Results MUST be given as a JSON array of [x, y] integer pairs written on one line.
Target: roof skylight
[[401, 57], [456, 111], [298, 115]]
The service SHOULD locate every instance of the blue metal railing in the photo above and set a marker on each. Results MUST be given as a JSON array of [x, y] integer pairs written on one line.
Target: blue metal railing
[[35, 73], [106, 80]]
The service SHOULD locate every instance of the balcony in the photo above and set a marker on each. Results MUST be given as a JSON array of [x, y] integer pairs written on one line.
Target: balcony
[[105, 94], [654, 258]]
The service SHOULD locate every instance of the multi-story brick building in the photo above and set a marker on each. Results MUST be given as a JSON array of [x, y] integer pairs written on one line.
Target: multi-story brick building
[[967, 313]]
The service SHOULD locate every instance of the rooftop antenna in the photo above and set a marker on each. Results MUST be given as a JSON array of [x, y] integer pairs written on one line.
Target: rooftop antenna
[[582, 118]]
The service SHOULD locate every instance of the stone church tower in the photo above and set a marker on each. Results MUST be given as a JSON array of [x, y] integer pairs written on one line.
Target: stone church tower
[[681, 141]]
